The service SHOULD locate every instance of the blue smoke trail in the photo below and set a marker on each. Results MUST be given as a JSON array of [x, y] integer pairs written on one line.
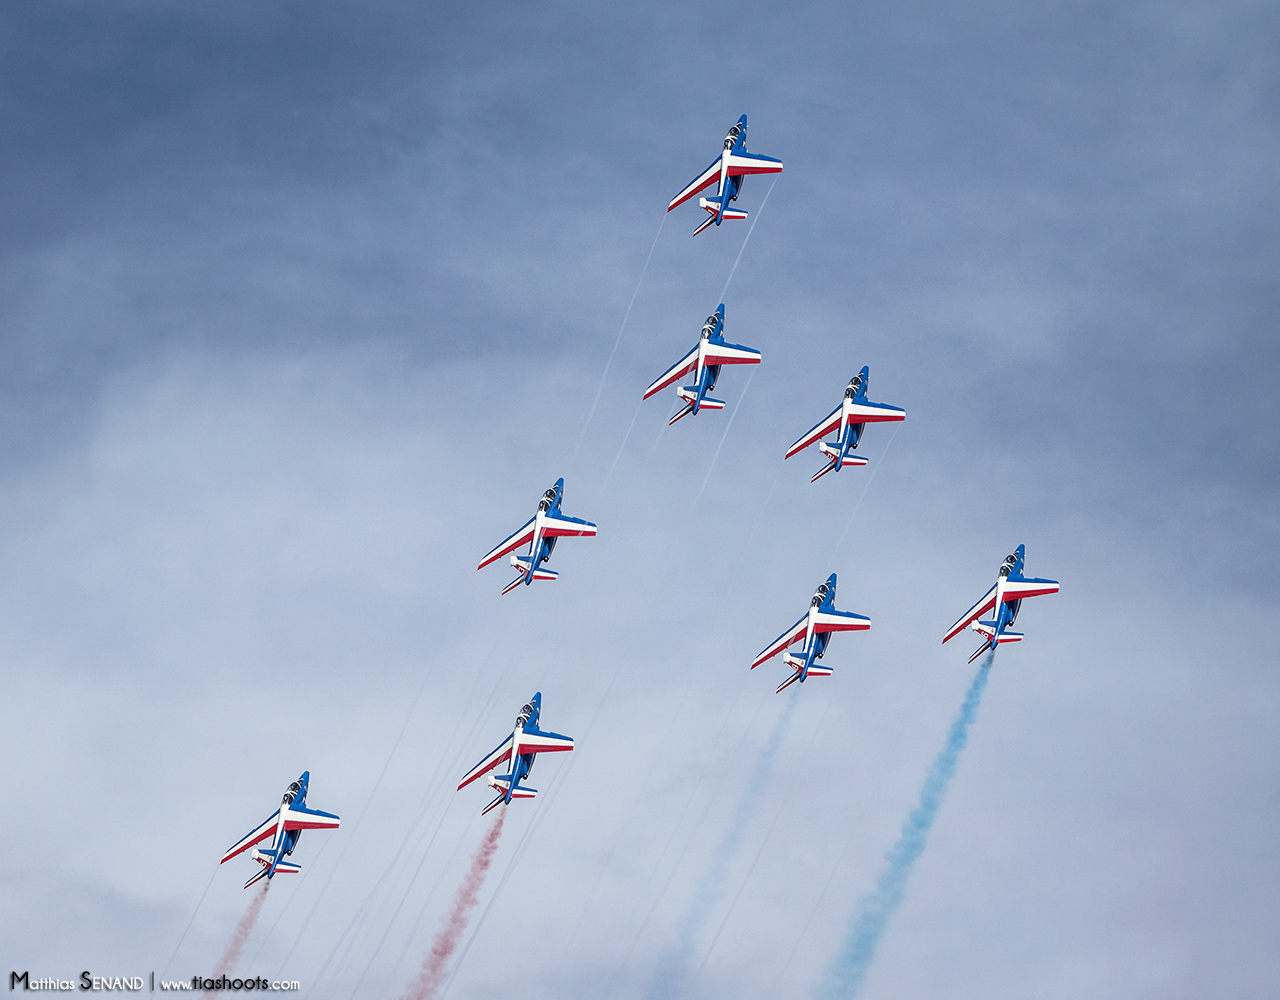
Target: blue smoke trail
[[673, 967], [844, 977]]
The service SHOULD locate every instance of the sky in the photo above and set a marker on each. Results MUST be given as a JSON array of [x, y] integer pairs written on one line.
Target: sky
[[302, 306]]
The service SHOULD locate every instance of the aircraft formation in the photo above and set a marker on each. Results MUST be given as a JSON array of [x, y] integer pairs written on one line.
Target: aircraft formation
[[810, 635]]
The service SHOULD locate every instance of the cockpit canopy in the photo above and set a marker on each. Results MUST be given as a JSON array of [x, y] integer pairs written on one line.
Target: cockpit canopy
[[1007, 566], [547, 500], [525, 715], [709, 327], [291, 792], [855, 384], [819, 596], [731, 139]]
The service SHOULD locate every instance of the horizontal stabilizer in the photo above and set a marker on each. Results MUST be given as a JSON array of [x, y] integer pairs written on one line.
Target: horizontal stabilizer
[[689, 393], [712, 205], [817, 671], [513, 584], [261, 875], [493, 805], [684, 412], [832, 451], [829, 467], [788, 682], [710, 221], [266, 855], [522, 564], [988, 628], [501, 781], [985, 647], [288, 867]]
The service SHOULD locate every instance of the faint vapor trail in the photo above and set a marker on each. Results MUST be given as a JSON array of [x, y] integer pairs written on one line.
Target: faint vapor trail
[[844, 977], [854, 513], [243, 929], [747, 239], [434, 965], [189, 923], [672, 972], [732, 416], [618, 340]]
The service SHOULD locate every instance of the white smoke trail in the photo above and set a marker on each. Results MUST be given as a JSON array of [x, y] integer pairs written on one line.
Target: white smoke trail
[[844, 977], [618, 340], [746, 240], [673, 968]]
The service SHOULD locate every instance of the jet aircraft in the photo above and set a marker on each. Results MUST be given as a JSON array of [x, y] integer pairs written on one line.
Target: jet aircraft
[[525, 742], [541, 532], [815, 629], [704, 361], [849, 419], [1006, 597], [285, 827], [729, 168]]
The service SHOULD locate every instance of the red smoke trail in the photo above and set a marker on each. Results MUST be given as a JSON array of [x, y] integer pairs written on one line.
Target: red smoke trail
[[446, 942], [240, 938]]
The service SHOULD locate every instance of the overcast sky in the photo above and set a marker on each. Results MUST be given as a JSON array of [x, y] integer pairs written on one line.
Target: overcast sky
[[302, 305]]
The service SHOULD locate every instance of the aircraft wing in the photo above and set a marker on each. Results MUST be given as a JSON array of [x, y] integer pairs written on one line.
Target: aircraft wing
[[572, 526], [870, 413], [500, 754], [510, 543], [818, 431], [302, 818], [982, 607], [257, 835], [794, 634], [730, 354], [840, 621], [539, 742], [677, 371], [750, 163], [704, 179], [1015, 590]]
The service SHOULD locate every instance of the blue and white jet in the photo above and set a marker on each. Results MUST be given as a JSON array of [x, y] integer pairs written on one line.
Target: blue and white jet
[[704, 362], [1005, 598], [521, 747], [814, 629], [729, 168], [849, 420], [285, 827], [540, 532]]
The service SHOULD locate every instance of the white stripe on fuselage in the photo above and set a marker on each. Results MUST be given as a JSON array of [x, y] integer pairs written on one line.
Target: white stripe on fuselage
[[538, 521], [1001, 580], [278, 842], [810, 637], [846, 405], [515, 758]]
